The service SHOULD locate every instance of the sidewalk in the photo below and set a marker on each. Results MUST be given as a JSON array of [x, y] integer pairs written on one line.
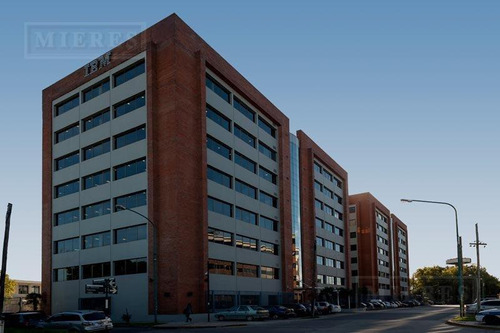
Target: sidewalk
[[212, 324], [473, 324]]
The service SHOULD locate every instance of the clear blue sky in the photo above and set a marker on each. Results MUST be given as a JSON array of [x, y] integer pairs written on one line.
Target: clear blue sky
[[403, 94]]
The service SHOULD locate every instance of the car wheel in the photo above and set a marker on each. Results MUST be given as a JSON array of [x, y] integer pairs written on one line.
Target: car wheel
[[275, 316], [221, 318], [249, 318], [490, 320]]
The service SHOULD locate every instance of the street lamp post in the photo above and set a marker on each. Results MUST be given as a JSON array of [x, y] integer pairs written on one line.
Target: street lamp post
[[459, 250], [155, 260]]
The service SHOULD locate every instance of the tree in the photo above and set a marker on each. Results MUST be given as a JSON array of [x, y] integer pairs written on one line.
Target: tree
[[440, 284], [34, 298], [10, 287]]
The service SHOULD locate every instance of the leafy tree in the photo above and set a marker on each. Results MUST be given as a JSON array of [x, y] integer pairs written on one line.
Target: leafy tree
[[440, 284], [10, 287]]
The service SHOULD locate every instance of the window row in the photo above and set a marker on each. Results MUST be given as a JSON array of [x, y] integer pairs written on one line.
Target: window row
[[101, 208], [329, 262], [326, 191], [101, 87], [243, 161], [320, 205], [223, 267], [381, 228], [382, 251], [381, 217], [102, 177], [102, 147], [382, 240], [121, 267], [320, 224], [382, 262], [101, 117], [224, 208], [329, 244], [331, 280], [328, 175], [225, 94], [122, 235], [384, 275], [228, 238]]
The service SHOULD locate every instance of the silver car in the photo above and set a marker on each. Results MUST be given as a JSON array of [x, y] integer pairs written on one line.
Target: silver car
[[79, 321], [243, 312], [489, 317]]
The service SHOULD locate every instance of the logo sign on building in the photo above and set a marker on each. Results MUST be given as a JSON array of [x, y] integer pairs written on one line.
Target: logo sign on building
[[97, 64]]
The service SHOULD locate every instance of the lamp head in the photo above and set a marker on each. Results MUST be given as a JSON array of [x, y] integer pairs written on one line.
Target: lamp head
[[406, 200]]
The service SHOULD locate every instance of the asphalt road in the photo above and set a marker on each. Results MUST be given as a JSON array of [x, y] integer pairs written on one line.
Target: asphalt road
[[419, 319]]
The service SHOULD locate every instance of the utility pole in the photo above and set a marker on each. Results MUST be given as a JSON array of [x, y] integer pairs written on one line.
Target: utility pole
[[4, 256], [477, 244]]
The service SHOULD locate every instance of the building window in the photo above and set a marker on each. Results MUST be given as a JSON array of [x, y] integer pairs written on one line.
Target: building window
[[129, 105], [267, 151], [339, 215], [217, 88], [352, 235], [218, 118], [67, 105], [317, 167], [318, 204], [328, 210], [319, 223], [220, 237], [36, 289], [328, 227], [221, 207], [245, 162], [96, 149], [219, 177], [67, 160], [339, 264], [327, 192], [354, 247], [269, 273], [267, 127], [247, 270], [327, 175], [67, 245], [245, 242], [129, 137], [267, 247], [218, 147], [67, 132], [66, 274], [268, 223], [244, 135], [96, 119], [245, 189], [267, 175], [67, 188], [318, 186], [130, 168], [339, 200], [96, 240], [131, 200], [246, 216], [244, 109], [131, 266], [130, 234], [328, 244], [320, 278], [268, 199], [96, 270], [95, 90], [220, 267], [352, 209], [129, 73], [339, 248], [320, 260], [96, 179], [337, 182], [338, 231], [329, 262], [319, 241], [68, 216], [96, 209]]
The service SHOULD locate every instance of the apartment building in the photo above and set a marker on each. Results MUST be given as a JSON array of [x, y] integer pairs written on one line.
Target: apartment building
[[323, 207], [401, 285], [163, 126], [379, 250]]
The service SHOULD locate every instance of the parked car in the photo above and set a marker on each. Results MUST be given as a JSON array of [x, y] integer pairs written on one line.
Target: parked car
[[23, 319], [335, 308], [279, 311], [243, 312], [377, 304], [78, 321], [489, 317], [485, 305], [309, 309], [298, 308]]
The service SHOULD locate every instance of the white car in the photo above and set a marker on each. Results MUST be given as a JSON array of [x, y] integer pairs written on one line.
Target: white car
[[78, 321], [489, 317], [485, 305]]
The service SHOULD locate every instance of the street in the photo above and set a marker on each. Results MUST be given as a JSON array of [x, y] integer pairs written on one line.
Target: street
[[419, 319]]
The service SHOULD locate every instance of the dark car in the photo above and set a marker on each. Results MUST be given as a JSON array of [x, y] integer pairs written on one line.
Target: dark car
[[278, 311], [298, 308], [23, 319]]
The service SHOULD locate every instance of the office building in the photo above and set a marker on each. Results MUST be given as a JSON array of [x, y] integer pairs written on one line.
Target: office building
[[401, 284]]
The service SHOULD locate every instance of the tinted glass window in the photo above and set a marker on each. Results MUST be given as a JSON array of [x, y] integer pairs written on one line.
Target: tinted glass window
[[245, 216], [67, 188], [218, 118], [266, 127], [220, 207], [95, 150], [244, 109], [267, 175], [246, 189], [96, 120], [267, 151], [130, 137], [68, 160], [244, 135], [94, 316], [217, 88], [129, 73], [96, 240], [219, 176], [69, 216], [130, 168], [245, 162], [96, 179], [67, 105], [268, 199], [67, 133], [130, 105], [132, 200], [218, 147], [97, 209], [96, 90], [130, 234]]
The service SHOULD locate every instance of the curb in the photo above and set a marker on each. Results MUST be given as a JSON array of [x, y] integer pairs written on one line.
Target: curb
[[474, 325], [178, 327]]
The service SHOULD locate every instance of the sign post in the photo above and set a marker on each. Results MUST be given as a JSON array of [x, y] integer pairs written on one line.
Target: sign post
[[105, 286]]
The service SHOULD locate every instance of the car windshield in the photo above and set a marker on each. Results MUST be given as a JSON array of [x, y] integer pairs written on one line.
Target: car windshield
[[94, 316]]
